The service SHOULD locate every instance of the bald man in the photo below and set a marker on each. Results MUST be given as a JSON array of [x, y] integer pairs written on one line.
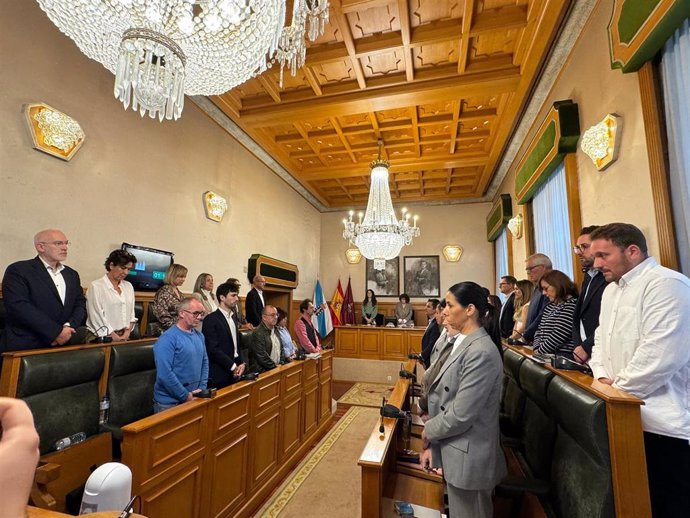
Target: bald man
[[254, 303], [43, 298]]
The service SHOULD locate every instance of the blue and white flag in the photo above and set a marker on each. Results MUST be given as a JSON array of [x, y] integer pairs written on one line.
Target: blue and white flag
[[322, 321]]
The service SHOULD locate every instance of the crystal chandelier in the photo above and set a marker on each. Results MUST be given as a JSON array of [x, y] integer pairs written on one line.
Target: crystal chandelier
[[381, 235], [160, 50]]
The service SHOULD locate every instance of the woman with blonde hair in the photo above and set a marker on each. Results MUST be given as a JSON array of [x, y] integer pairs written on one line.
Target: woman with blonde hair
[[204, 288], [169, 296], [523, 294]]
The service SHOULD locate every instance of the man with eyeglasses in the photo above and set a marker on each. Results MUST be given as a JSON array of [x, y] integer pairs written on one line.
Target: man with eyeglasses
[[181, 360], [535, 267], [44, 301], [266, 352], [506, 323], [586, 318]]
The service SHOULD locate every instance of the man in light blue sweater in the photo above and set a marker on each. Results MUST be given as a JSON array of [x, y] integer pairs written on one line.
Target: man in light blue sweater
[[181, 361]]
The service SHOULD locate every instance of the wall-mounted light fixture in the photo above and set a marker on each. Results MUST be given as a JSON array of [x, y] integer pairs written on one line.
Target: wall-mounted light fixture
[[353, 255], [215, 206], [52, 131], [452, 253], [601, 141], [515, 226]]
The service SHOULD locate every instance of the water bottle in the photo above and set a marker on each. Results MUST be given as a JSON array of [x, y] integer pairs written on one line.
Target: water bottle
[[104, 410], [69, 441]]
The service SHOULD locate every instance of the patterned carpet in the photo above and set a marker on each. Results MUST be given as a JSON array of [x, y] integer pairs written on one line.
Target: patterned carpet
[[327, 481], [366, 394]]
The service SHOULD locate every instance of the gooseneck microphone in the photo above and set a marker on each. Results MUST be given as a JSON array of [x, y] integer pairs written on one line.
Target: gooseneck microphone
[[101, 339], [406, 374]]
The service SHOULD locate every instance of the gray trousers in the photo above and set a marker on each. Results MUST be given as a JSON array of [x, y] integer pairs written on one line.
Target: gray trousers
[[465, 503]]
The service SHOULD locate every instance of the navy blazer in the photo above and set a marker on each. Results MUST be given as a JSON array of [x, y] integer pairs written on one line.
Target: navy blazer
[[221, 350], [587, 310], [428, 340], [253, 307], [35, 313], [507, 322], [534, 314]]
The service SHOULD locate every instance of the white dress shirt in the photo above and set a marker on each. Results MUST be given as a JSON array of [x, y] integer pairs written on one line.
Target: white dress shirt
[[57, 278], [643, 344], [109, 310], [233, 332]]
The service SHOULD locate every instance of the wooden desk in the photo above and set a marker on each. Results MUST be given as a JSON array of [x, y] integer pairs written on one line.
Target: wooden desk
[[36, 512], [380, 476], [626, 441], [224, 456], [377, 343]]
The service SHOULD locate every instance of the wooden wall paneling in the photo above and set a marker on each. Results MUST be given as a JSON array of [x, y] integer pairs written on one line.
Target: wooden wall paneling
[[263, 445], [394, 346], [413, 341], [291, 423], [370, 344], [177, 494], [311, 371], [265, 392], [226, 484], [657, 144], [292, 380], [347, 342], [229, 409], [325, 388], [310, 398]]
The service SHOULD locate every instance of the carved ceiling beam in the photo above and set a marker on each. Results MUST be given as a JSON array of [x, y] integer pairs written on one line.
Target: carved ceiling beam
[[340, 19]]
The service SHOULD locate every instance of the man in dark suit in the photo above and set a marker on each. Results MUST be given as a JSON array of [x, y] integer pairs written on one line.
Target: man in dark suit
[[433, 331], [222, 339], [586, 318], [536, 266], [254, 303], [43, 298], [506, 321]]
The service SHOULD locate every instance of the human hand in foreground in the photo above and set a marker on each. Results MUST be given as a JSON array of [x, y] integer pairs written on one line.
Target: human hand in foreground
[[18, 456]]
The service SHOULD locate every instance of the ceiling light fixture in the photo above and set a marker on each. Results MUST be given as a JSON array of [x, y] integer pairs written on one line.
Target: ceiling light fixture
[[380, 236], [159, 51]]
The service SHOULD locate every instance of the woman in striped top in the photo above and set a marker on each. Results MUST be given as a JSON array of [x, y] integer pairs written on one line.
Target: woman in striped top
[[554, 334]]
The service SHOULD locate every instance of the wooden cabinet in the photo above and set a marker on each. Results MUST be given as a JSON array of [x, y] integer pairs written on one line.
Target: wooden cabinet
[[377, 343]]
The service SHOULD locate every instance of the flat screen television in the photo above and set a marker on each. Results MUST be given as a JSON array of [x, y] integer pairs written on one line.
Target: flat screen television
[[149, 270]]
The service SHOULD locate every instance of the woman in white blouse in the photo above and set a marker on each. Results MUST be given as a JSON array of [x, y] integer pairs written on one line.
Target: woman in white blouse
[[204, 288], [110, 299]]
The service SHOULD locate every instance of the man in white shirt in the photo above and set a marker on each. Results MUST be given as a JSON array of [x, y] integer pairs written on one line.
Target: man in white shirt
[[43, 298], [642, 346]]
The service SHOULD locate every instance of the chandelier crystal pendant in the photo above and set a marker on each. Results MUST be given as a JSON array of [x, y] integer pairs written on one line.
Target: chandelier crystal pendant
[[380, 236], [162, 50]]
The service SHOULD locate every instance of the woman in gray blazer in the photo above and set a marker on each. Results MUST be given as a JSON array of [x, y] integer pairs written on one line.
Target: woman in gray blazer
[[462, 435]]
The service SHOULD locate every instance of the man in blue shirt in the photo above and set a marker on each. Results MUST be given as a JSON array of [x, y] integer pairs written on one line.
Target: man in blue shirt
[[181, 361]]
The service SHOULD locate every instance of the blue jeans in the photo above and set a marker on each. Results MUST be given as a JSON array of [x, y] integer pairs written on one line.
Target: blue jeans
[[159, 407]]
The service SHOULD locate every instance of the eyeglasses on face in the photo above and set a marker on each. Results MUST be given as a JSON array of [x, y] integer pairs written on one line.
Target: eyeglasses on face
[[581, 248], [195, 314], [530, 268]]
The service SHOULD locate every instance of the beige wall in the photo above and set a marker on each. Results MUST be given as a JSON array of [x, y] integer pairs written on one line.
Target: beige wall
[[623, 191], [464, 225], [134, 179]]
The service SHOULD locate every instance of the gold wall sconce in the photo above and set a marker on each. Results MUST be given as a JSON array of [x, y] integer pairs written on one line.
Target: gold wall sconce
[[452, 253], [353, 255], [215, 206], [53, 131], [515, 226], [601, 142]]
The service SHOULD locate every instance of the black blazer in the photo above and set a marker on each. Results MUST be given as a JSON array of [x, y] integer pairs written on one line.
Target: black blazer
[[428, 340], [507, 322], [35, 313], [534, 314], [587, 310], [253, 307], [221, 349]]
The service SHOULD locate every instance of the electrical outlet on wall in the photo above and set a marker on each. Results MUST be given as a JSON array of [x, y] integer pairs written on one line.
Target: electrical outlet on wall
[[390, 378]]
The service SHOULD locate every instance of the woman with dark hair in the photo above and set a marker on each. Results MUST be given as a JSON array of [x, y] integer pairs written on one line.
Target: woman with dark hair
[[284, 334], [110, 299], [462, 434], [555, 332], [403, 310], [369, 308], [203, 287], [169, 296]]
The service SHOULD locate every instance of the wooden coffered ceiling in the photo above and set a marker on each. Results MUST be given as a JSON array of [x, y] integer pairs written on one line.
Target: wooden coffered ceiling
[[440, 82]]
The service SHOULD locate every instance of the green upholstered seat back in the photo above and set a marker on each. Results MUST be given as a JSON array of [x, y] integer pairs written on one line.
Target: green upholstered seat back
[[130, 383], [61, 390], [538, 426], [581, 469], [513, 400]]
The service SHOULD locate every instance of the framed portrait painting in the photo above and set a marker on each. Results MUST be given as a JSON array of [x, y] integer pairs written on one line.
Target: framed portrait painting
[[422, 276], [386, 282]]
